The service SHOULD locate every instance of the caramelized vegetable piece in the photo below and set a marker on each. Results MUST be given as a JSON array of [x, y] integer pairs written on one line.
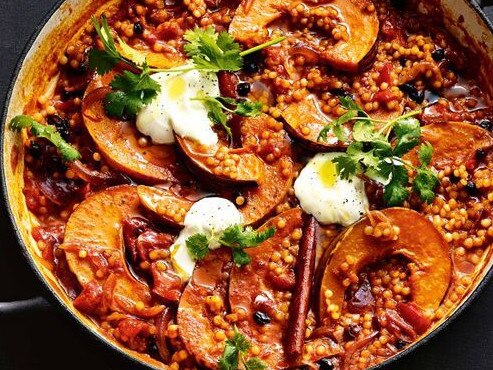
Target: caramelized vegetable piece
[[252, 18], [418, 241], [166, 59], [168, 206], [118, 142], [363, 28], [257, 290], [452, 141], [204, 299], [304, 121], [264, 135], [94, 250], [305, 269], [220, 164]]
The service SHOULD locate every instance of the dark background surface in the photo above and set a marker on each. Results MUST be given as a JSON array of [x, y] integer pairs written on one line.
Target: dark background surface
[[50, 340]]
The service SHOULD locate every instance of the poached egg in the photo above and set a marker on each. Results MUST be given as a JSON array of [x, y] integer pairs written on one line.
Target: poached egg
[[330, 199], [174, 110], [208, 216]]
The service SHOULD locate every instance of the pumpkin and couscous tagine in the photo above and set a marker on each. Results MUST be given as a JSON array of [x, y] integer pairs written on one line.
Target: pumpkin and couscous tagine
[[262, 184]]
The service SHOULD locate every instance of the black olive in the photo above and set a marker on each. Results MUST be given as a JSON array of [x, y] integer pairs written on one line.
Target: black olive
[[486, 124], [400, 344], [438, 55], [138, 28], [261, 318], [243, 88], [35, 150], [413, 93], [481, 154], [325, 364], [61, 124], [471, 188]]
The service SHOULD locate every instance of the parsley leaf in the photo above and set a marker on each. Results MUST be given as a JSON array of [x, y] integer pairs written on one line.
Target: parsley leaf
[[198, 246], [235, 237], [425, 181], [234, 351], [407, 132], [66, 150]]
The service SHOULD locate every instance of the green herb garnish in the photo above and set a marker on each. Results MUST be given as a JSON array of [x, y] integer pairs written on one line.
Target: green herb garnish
[[234, 353], [216, 107], [235, 237], [67, 151], [210, 52], [372, 154]]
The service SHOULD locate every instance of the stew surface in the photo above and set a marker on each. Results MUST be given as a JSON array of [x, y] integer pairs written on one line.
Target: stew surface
[[262, 184]]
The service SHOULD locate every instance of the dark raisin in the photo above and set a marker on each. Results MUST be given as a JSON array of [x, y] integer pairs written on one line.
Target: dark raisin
[[138, 28], [367, 146], [35, 150], [261, 318], [471, 188], [413, 93], [400, 344], [61, 124], [325, 364], [481, 154], [243, 88], [438, 55], [251, 64], [454, 179], [486, 124], [341, 92]]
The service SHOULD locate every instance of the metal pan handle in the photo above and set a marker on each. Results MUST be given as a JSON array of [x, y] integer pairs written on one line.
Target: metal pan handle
[[36, 304]]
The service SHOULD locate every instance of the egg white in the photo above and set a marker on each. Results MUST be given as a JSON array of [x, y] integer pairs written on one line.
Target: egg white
[[175, 111], [343, 202], [208, 216]]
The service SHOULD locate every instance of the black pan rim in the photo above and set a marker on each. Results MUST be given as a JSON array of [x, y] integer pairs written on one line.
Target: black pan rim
[[53, 296]]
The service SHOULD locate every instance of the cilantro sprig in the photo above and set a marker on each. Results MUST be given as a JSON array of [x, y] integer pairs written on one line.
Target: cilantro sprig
[[216, 106], [234, 354], [67, 151], [209, 51], [375, 156], [235, 237]]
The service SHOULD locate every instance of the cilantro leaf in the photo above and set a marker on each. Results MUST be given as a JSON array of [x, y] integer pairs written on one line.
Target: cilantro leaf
[[198, 246], [336, 126], [234, 351], [395, 192], [346, 166], [407, 132], [238, 237], [131, 93], [101, 61], [240, 257], [254, 364], [211, 51], [247, 108], [424, 184], [66, 150], [425, 154]]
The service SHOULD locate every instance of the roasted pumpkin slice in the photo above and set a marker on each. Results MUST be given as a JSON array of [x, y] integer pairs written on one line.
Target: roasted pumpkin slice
[[453, 142], [118, 142], [264, 136], [94, 249], [259, 288], [202, 309], [168, 206], [166, 59], [253, 17], [220, 164], [418, 241], [304, 121]]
